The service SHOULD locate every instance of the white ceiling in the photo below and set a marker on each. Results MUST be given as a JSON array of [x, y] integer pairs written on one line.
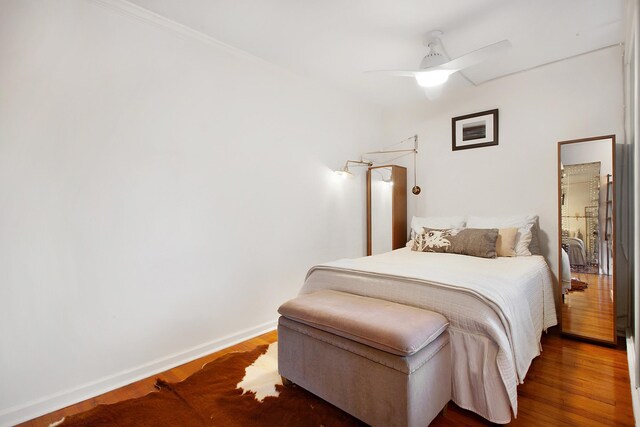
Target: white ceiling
[[336, 40]]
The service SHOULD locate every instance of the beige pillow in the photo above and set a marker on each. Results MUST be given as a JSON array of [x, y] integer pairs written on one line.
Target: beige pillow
[[464, 241], [506, 242]]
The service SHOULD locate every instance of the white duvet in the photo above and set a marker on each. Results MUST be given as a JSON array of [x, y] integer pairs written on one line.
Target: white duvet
[[497, 309]]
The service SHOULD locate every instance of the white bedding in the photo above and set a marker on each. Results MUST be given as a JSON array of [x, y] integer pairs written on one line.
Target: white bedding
[[497, 309], [566, 272]]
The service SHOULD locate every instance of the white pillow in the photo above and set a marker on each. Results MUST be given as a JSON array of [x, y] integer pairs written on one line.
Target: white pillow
[[418, 222], [566, 267], [501, 221], [524, 223], [523, 240]]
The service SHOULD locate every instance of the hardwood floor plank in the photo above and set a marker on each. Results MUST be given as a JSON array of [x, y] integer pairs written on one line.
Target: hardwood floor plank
[[589, 313], [571, 383]]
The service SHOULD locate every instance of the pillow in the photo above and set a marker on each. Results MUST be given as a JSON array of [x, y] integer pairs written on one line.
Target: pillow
[[525, 223], [523, 241], [566, 267], [506, 243], [463, 241], [441, 222]]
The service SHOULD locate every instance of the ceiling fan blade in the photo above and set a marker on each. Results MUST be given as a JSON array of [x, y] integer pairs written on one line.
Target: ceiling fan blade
[[475, 57], [398, 73]]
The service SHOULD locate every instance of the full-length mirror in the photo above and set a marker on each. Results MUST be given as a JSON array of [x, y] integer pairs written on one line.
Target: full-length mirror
[[386, 208], [586, 237]]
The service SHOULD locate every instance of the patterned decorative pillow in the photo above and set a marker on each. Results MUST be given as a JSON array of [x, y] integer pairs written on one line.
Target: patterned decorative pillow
[[439, 222], [477, 242]]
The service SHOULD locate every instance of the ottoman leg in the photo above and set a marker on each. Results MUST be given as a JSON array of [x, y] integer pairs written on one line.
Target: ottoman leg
[[286, 382]]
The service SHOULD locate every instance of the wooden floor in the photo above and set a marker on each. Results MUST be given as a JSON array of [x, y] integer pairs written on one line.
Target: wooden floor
[[589, 313], [571, 383]]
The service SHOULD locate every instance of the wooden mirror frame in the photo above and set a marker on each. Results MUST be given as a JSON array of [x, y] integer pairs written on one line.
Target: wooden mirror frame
[[613, 236]]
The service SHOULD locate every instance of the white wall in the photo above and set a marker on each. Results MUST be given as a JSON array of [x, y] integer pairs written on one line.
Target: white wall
[[579, 97], [160, 196]]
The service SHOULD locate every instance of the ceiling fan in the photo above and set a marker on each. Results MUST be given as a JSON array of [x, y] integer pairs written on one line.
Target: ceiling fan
[[436, 67]]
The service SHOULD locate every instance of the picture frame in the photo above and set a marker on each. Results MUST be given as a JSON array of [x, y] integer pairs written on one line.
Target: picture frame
[[475, 130]]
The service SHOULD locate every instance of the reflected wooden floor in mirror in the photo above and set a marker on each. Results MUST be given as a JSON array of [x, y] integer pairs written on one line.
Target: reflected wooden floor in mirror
[[589, 313]]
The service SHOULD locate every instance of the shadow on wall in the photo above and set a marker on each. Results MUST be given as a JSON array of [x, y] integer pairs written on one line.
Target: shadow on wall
[[543, 239]]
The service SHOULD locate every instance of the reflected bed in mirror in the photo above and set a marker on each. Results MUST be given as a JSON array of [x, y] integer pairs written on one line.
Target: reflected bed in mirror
[[586, 237]]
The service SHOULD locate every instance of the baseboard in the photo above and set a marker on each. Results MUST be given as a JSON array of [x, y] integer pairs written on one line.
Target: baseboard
[[53, 402], [635, 392]]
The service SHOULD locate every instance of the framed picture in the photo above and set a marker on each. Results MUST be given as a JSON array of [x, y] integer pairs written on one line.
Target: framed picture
[[475, 130]]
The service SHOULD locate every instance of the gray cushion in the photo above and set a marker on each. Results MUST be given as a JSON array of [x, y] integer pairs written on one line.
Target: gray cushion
[[395, 328]]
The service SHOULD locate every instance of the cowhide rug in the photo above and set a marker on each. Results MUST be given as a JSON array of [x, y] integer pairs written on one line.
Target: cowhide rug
[[578, 285], [237, 389]]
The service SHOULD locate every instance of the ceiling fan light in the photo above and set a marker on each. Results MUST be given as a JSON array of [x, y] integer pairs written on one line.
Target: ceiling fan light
[[432, 93], [432, 78]]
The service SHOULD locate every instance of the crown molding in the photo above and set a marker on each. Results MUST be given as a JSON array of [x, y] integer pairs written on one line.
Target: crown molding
[[133, 11]]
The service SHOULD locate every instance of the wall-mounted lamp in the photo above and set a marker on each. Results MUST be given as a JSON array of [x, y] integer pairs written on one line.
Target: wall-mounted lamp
[[344, 172], [382, 171], [416, 189]]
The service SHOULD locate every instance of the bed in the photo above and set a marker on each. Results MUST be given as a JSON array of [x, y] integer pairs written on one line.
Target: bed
[[576, 251], [566, 272], [497, 309]]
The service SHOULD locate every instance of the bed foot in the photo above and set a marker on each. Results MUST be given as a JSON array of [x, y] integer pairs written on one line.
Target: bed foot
[[286, 382]]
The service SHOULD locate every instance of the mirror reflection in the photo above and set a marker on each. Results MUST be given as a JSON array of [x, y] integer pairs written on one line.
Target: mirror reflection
[[386, 208], [586, 237], [381, 205]]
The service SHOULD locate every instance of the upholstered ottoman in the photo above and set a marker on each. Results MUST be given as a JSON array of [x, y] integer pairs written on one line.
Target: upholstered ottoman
[[385, 363]]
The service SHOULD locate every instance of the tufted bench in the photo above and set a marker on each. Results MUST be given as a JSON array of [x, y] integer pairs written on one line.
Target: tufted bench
[[385, 363]]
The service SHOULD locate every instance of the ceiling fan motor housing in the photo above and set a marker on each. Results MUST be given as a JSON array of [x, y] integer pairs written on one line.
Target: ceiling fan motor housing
[[432, 59]]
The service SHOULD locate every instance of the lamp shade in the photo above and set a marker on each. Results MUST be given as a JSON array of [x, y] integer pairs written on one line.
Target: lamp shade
[[344, 173]]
